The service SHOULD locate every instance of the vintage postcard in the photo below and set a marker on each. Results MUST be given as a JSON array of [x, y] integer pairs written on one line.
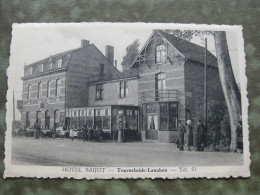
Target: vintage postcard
[[127, 100]]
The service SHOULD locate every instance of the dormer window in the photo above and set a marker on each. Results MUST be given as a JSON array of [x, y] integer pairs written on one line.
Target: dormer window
[[41, 67], [50, 62], [30, 70], [59, 63], [160, 54]]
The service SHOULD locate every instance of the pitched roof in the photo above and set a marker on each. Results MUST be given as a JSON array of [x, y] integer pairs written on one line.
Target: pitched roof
[[189, 50], [53, 57]]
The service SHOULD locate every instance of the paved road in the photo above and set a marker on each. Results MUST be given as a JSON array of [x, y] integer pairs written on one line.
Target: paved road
[[58, 152]]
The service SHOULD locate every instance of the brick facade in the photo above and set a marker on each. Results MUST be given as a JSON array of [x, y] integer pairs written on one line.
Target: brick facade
[[181, 65], [111, 93], [168, 86], [63, 80]]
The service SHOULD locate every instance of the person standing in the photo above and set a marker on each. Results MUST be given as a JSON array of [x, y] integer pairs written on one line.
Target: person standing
[[239, 137], [189, 134], [181, 131], [91, 133], [85, 133], [201, 137], [71, 134]]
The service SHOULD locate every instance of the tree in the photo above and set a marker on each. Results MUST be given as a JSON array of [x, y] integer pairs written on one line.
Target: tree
[[229, 86], [132, 51], [218, 124], [228, 83]]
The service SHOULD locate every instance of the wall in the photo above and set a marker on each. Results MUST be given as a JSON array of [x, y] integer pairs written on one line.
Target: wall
[[50, 103], [194, 87], [174, 73], [111, 94], [84, 63]]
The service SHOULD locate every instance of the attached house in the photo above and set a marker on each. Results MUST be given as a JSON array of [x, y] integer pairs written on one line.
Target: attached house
[[171, 84], [165, 84], [54, 85]]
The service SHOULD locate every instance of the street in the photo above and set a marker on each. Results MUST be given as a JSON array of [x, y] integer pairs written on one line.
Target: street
[[61, 152]]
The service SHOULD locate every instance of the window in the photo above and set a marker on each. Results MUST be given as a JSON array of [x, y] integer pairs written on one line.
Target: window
[[41, 67], [173, 116], [38, 118], [48, 88], [98, 112], [160, 86], [27, 120], [29, 92], [58, 87], [59, 63], [123, 89], [74, 113], [50, 63], [161, 81], [107, 112], [160, 54], [39, 90], [89, 112], [82, 113], [30, 70], [99, 91], [164, 114]]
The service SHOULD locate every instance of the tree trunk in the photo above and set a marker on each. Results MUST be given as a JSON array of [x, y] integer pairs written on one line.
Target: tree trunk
[[228, 83]]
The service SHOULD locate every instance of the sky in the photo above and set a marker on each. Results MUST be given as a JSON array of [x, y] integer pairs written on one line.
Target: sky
[[33, 42]]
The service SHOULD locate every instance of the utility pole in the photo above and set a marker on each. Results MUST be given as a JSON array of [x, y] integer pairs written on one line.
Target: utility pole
[[205, 85]]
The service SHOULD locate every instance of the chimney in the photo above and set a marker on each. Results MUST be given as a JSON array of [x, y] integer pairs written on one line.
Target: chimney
[[84, 43], [109, 50], [116, 63]]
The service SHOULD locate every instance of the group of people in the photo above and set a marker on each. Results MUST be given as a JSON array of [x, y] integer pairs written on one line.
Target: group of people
[[88, 134], [198, 136], [85, 133]]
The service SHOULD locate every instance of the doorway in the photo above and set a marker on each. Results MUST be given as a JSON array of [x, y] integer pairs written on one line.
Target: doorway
[[47, 119]]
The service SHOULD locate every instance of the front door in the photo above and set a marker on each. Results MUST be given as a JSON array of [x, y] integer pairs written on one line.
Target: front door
[[150, 119], [27, 120]]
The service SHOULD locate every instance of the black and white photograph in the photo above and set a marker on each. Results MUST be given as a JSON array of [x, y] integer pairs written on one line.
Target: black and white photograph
[[126, 100]]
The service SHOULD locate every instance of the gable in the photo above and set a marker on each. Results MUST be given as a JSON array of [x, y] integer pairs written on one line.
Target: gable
[[148, 52], [176, 48]]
